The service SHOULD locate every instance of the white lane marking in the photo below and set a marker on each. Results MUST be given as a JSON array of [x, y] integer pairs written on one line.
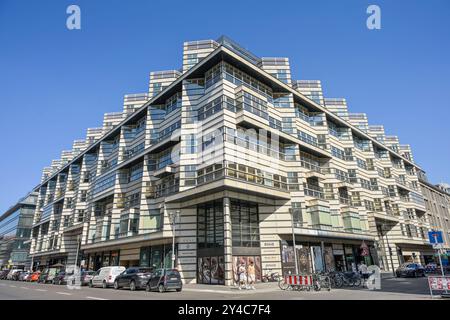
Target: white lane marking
[[42, 290], [64, 293], [11, 286], [95, 298], [25, 288]]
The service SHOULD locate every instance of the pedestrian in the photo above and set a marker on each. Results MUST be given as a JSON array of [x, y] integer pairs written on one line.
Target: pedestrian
[[242, 276], [251, 275], [363, 270]]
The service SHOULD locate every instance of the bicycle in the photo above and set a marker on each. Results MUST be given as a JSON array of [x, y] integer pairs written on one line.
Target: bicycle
[[351, 279], [271, 276], [282, 284], [321, 281], [335, 279]]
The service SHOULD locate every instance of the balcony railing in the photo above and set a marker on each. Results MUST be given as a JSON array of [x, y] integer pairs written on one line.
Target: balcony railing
[[313, 191]]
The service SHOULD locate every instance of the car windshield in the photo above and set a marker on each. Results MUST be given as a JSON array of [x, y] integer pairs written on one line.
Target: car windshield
[[172, 273]]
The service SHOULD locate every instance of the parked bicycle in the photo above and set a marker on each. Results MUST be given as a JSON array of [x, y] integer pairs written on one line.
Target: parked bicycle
[[271, 276], [351, 279], [321, 280]]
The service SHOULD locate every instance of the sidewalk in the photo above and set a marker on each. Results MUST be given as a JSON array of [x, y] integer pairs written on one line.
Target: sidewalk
[[259, 288]]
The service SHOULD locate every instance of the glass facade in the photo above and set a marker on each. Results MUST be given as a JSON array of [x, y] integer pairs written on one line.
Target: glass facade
[[244, 224], [15, 230]]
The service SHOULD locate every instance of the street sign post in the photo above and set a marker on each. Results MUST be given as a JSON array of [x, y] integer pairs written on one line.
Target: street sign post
[[437, 242]]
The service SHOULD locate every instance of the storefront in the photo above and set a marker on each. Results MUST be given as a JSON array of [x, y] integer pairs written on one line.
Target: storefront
[[41, 263], [158, 256], [326, 256], [97, 260], [210, 240]]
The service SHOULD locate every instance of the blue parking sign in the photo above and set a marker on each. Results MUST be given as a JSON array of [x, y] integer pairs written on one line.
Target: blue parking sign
[[435, 237]]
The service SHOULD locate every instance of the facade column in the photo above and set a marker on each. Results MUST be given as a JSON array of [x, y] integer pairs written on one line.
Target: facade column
[[228, 254]]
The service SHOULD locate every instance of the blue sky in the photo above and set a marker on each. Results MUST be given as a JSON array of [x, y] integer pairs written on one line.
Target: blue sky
[[55, 83]]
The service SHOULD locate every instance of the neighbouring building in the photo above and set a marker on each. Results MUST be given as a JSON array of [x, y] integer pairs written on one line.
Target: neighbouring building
[[251, 159], [15, 232], [437, 204]]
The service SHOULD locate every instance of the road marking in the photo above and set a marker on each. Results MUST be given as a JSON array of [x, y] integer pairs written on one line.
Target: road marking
[[11, 286], [25, 288], [95, 298], [42, 290], [64, 293]]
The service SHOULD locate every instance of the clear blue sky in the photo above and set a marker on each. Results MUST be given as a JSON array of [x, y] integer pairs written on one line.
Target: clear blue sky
[[55, 83]]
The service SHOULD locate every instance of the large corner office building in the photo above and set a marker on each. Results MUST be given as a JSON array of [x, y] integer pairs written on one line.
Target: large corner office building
[[250, 160]]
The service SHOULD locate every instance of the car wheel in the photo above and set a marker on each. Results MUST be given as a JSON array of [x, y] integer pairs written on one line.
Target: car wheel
[[116, 285], [132, 285], [179, 290], [147, 288], [104, 286], [161, 288]]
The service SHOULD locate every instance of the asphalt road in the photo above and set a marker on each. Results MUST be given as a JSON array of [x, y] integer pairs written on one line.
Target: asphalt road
[[391, 289]]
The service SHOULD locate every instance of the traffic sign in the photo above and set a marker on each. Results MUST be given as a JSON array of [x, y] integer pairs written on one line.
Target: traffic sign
[[435, 237]]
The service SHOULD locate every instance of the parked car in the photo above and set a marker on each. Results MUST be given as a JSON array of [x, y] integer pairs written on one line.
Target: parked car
[[105, 276], [51, 274], [163, 280], [24, 275], [431, 268], [86, 277], [62, 278], [16, 275], [410, 270], [34, 277], [133, 278], [3, 274], [43, 277], [12, 274]]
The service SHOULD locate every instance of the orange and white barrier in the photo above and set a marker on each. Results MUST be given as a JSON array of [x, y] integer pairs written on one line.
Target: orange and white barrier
[[299, 280]]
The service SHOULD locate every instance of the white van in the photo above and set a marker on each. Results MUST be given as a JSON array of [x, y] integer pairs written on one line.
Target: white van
[[105, 276]]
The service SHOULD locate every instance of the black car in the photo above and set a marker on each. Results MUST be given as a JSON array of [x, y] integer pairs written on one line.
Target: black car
[[133, 278], [410, 270], [163, 280]]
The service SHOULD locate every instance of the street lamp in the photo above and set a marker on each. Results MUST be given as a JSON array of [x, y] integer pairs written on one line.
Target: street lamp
[[173, 218], [293, 240]]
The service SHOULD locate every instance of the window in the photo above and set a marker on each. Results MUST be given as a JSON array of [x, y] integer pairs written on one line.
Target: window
[[190, 175], [210, 225], [296, 211], [338, 153], [136, 172], [244, 224], [83, 195], [191, 144]]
